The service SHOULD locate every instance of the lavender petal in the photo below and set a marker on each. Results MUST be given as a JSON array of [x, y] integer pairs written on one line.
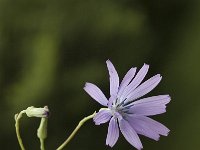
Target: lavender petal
[[153, 100], [155, 125], [114, 78], [113, 132], [144, 88], [136, 81], [130, 134], [149, 106], [96, 93], [126, 80], [146, 110], [102, 116], [111, 100], [143, 128]]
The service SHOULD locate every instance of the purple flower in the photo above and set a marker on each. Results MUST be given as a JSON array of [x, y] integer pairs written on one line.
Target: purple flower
[[126, 110]]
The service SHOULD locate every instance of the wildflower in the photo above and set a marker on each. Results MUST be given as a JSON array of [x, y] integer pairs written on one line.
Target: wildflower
[[125, 109]]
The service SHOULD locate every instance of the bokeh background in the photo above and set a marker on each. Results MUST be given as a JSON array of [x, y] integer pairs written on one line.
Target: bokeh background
[[49, 49]]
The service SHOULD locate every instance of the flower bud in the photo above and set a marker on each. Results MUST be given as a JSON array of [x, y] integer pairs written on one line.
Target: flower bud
[[37, 112], [42, 130]]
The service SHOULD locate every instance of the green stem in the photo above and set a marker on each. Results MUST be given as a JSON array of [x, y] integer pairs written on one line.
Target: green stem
[[17, 118], [42, 144], [75, 131]]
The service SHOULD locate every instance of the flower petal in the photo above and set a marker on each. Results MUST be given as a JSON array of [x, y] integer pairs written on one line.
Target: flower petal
[[144, 88], [136, 81], [153, 100], [126, 80], [151, 124], [146, 110], [102, 116], [113, 132], [96, 93], [142, 127], [114, 78], [149, 106], [156, 126], [130, 134], [111, 100]]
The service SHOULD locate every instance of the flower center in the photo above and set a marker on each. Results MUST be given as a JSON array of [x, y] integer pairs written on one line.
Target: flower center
[[117, 110], [120, 108]]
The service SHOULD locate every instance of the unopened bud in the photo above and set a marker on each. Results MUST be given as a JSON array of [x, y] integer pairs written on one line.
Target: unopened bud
[[42, 130], [37, 112]]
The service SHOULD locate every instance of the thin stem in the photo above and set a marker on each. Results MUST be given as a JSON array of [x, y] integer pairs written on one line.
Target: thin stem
[[42, 144], [42, 132], [17, 118], [75, 131]]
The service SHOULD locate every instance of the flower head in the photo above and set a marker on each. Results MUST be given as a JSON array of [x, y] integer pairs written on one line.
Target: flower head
[[126, 110]]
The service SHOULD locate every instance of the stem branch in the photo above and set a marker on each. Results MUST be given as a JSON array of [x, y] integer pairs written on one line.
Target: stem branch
[[17, 118], [75, 131]]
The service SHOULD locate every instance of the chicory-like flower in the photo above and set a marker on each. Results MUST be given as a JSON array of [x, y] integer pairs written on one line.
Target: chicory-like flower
[[126, 110]]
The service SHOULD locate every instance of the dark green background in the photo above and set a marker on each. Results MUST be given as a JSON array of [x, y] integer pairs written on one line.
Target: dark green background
[[49, 49]]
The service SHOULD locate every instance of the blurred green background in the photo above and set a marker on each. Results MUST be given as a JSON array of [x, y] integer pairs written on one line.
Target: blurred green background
[[49, 49]]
